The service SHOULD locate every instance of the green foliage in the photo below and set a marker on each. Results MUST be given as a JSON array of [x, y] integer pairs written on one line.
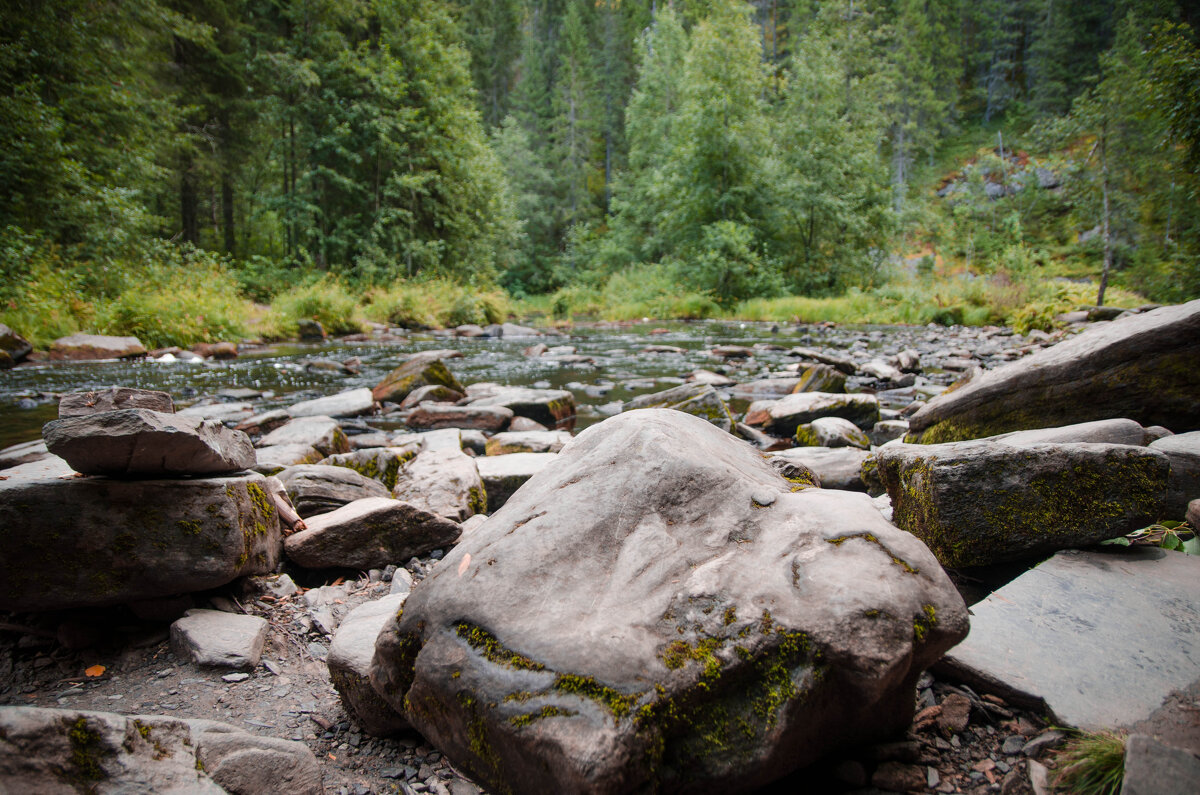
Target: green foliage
[[327, 300], [1092, 764], [1173, 535], [727, 265], [435, 303]]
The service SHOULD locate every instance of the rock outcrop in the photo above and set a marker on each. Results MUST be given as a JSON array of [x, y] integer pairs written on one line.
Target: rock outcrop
[[82, 347]]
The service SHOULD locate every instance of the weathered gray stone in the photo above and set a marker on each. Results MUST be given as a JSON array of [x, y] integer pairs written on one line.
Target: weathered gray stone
[[1184, 484], [782, 417], [1141, 367], [13, 345], [349, 663], [979, 503], [378, 463], [709, 377], [79, 347], [1116, 431], [24, 453], [1120, 624], [369, 533], [114, 398], [49, 466], [275, 457], [264, 423], [322, 433], [145, 443], [444, 439], [98, 541], [445, 482], [847, 366], [433, 393], [821, 378], [838, 468], [527, 442], [887, 430], [354, 403], [316, 488], [221, 640], [657, 589], [524, 425], [880, 370], [60, 750], [235, 412], [765, 388], [1155, 768], [435, 416], [699, 400], [418, 371], [1193, 514], [502, 475], [554, 408], [832, 432]]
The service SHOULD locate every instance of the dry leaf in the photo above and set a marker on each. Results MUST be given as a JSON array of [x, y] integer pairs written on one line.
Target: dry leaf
[[96, 670], [338, 581], [466, 561], [331, 756]]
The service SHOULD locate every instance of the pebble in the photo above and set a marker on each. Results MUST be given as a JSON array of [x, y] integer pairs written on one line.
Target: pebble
[[317, 650], [1012, 745], [238, 677]]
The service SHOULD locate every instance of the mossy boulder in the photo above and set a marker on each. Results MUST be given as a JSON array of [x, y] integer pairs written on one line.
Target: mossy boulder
[[318, 488], [322, 433], [832, 432], [1141, 367], [378, 463], [979, 503], [444, 481], [835, 467], [699, 400], [417, 372], [554, 408], [659, 610], [100, 541], [369, 533], [782, 417], [1183, 450], [13, 346], [527, 442], [821, 378]]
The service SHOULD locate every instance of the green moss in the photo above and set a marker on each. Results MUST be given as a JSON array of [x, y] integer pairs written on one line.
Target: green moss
[[527, 718], [730, 616], [616, 702], [805, 437], [87, 754], [477, 499], [493, 650], [924, 622], [189, 526], [896, 559]]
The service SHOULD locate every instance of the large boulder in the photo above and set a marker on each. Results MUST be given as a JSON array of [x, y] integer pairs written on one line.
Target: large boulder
[[1184, 484], [61, 750], [782, 417], [444, 482], [369, 533], [378, 463], [416, 372], [145, 443], [979, 503], [435, 416], [353, 403], [114, 398], [349, 663], [99, 541], [82, 347], [1142, 367], [554, 408], [322, 433], [699, 400], [317, 488], [502, 475], [659, 610], [821, 378]]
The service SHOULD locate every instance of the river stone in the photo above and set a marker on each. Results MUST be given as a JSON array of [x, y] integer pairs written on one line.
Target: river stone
[[79, 347], [1116, 431], [48, 466], [378, 463], [847, 366], [699, 400], [349, 664], [316, 488], [235, 412], [658, 610], [444, 482], [60, 750], [435, 416], [14, 345], [881, 371], [369, 533], [416, 372], [433, 393], [264, 423], [821, 378], [1184, 484], [24, 453], [766, 388], [1153, 767], [502, 475], [980, 503], [323, 433], [437, 441], [353, 403], [98, 541], [709, 377], [782, 417], [219, 639], [275, 457], [145, 443], [1141, 367], [554, 408], [832, 432], [1193, 514], [527, 442], [835, 468], [114, 398], [887, 430]]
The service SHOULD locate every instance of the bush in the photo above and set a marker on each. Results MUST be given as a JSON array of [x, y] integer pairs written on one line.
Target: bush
[[327, 300]]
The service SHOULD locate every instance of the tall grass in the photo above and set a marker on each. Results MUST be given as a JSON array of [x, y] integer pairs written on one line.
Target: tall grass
[[435, 303], [327, 300]]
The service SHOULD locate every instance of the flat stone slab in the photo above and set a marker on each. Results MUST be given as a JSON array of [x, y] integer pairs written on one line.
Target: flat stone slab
[[320, 432], [353, 403], [1101, 637], [503, 474], [223, 640], [95, 346], [369, 533], [349, 663], [1154, 768], [114, 398]]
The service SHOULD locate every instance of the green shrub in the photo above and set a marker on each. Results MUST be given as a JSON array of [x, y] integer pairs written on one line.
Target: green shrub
[[327, 300], [1092, 764]]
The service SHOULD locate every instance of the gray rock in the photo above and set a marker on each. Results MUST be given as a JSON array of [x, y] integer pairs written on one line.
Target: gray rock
[[97, 541], [367, 533], [322, 433], [838, 468], [1193, 514], [527, 442], [433, 393], [113, 398], [223, 640], [24, 453], [418, 371], [832, 432], [402, 580], [80, 347], [354, 403], [502, 475], [315, 488], [438, 441], [275, 457], [554, 408], [349, 663], [1140, 367], [380, 463], [1042, 743], [710, 378], [525, 425], [880, 370], [1184, 484], [445, 483], [887, 430], [49, 466], [474, 523], [847, 366], [56, 750], [600, 631], [259, 424], [1118, 431], [765, 388], [979, 503], [1155, 768], [908, 361], [434, 416], [13, 345], [699, 400], [218, 411], [1109, 667], [821, 378], [145, 443], [782, 417]]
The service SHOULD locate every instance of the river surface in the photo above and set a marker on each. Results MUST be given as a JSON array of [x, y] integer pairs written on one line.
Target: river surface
[[286, 373]]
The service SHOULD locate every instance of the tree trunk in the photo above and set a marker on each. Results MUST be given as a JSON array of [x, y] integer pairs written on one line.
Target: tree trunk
[[188, 201], [227, 212], [1106, 232]]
